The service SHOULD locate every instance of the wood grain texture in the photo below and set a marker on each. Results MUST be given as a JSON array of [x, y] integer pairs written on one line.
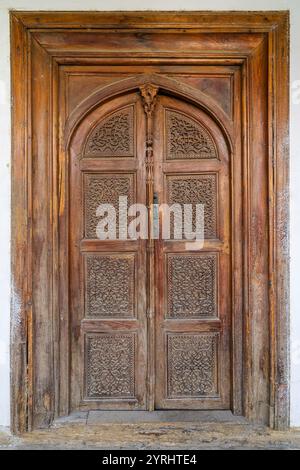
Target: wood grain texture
[[44, 45], [232, 20], [21, 292], [180, 267], [119, 267]]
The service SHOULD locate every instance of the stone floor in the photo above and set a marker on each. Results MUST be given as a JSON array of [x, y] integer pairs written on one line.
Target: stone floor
[[84, 431]]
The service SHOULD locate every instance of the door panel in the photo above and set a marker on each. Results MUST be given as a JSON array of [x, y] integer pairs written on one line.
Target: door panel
[[67, 72], [108, 277], [151, 318], [194, 286]]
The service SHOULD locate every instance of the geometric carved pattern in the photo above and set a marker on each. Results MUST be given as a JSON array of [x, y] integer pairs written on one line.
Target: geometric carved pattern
[[110, 365], [187, 139], [197, 189], [113, 136], [105, 189], [192, 365], [110, 285], [192, 285]]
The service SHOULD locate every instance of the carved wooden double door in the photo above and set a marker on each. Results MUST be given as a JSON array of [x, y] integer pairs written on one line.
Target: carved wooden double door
[[151, 317]]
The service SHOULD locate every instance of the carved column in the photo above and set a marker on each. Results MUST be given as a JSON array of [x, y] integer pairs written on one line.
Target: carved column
[[149, 96]]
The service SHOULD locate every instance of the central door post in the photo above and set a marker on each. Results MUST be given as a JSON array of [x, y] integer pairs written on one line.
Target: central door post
[[149, 95]]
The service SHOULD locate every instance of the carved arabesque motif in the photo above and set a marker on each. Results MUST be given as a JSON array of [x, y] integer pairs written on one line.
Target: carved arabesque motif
[[105, 189], [187, 138], [192, 285], [113, 136], [192, 365], [110, 285], [196, 189], [110, 369]]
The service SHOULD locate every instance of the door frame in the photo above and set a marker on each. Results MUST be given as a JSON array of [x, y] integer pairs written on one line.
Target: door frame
[[35, 227]]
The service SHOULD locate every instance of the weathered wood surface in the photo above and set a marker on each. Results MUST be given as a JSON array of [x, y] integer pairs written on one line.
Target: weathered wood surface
[[54, 55]]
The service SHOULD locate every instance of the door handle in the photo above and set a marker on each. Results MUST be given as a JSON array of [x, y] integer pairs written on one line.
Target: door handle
[[155, 232]]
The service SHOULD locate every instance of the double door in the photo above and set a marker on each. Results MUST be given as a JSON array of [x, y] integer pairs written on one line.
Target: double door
[[150, 313]]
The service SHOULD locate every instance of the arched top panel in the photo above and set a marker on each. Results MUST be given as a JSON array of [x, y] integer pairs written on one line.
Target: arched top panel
[[167, 86], [113, 136], [187, 138]]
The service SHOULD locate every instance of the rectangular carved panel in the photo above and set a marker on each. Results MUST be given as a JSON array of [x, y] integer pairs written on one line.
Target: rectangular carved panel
[[196, 189], [192, 285], [192, 369], [105, 189], [110, 365], [110, 285]]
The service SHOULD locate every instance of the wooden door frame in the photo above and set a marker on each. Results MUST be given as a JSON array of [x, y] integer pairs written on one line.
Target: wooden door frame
[[36, 53]]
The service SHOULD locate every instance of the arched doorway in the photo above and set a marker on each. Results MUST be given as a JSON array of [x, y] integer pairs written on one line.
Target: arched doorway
[[153, 315]]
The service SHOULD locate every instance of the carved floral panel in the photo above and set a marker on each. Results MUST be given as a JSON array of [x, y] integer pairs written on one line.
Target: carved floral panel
[[192, 365], [110, 285], [192, 285], [110, 370], [113, 136], [187, 138], [196, 189], [105, 189]]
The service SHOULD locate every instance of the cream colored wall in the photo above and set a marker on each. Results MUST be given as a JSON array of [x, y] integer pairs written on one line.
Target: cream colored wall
[[5, 289]]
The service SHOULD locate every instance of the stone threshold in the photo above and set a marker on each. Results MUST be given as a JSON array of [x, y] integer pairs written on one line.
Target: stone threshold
[[158, 416]]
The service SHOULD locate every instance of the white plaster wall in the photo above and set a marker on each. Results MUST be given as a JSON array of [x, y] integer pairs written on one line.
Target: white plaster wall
[[5, 5]]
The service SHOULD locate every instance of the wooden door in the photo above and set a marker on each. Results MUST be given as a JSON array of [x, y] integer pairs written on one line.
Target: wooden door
[[151, 317], [193, 304]]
